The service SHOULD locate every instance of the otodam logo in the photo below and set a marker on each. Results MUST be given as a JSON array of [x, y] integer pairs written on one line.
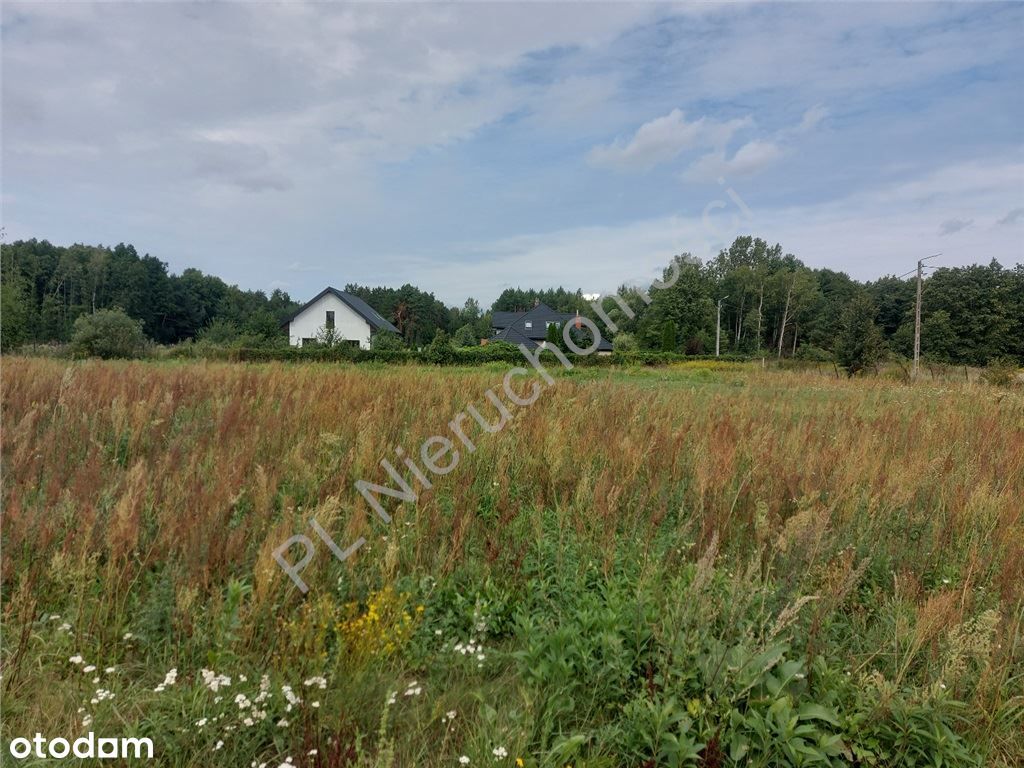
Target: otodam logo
[[87, 746]]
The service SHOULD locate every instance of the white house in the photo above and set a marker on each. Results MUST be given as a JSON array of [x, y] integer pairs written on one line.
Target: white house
[[351, 318]]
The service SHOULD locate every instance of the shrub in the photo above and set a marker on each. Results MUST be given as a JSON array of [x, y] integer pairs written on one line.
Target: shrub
[[465, 336], [440, 350], [1001, 372], [108, 333], [625, 342], [218, 331], [386, 341]]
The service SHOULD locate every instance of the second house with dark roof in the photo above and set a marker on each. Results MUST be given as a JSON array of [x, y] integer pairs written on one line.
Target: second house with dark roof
[[530, 328], [338, 315]]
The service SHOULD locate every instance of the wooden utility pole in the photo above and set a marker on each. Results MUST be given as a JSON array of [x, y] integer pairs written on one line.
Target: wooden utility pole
[[718, 327], [917, 315]]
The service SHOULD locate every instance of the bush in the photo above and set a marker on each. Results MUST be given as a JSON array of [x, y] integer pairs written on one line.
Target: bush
[[218, 332], [386, 341], [465, 337], [625, 342], [1001, 372], [813, 354], [108, 333]]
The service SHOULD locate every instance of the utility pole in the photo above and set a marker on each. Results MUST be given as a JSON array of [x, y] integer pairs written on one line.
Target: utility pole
[[718, 327], [917, 314]]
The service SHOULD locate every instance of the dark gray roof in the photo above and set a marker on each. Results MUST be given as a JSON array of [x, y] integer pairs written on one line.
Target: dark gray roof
[[504, 319], [511, 326], [360, 307], [512, 336]]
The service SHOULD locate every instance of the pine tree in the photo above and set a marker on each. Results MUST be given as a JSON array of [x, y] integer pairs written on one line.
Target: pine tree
[[859, 345]]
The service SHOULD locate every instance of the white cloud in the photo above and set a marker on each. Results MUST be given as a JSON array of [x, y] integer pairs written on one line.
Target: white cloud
[[878, 231], [662, 140], [753, 157], [811, 118]]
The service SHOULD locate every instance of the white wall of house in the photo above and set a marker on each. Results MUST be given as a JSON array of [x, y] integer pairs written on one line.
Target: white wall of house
[[311, 322]]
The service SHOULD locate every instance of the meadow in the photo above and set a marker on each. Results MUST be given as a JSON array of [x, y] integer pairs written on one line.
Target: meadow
[[697, 565]]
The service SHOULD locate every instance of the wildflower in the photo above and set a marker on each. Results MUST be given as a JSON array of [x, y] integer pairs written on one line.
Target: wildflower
[[450, 715], [54, 616], [169, 679], [88, 668], [319, 682], [519, 762], [201, 722], [282, 723], [499, 752], [213, 681], [218, 745], [127, 636], [315, 704], [86, 721], [242, 701], [76, 659], [248, 722], [464, 760], [311, 752], [391, 697], [65, 627], [108, 671]]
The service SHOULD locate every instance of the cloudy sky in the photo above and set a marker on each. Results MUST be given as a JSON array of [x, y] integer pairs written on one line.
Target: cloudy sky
[[467, 148]]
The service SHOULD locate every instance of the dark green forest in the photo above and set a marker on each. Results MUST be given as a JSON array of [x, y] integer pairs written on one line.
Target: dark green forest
[[772, 305]]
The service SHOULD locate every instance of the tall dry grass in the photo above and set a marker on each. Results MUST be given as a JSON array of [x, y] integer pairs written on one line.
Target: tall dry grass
[[118, 475]]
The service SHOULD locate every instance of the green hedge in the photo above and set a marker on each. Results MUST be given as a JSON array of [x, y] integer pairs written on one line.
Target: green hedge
[[490, 353]]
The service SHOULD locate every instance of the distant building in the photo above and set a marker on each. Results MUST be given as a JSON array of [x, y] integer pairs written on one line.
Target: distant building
[[530, 328], [351, 319]]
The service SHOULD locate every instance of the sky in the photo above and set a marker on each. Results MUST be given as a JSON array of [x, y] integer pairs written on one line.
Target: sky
[[467, 148]]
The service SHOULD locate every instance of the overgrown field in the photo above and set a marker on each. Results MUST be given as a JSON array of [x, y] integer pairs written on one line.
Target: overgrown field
[[704, 566]]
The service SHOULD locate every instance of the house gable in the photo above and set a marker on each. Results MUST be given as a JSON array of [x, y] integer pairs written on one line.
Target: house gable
[[351, 318]]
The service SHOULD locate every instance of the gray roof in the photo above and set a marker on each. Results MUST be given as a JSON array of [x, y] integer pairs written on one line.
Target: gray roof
[[369, 314], [511, 326]]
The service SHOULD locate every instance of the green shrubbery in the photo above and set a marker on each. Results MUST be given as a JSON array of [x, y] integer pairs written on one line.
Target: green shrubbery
[[108, 333]]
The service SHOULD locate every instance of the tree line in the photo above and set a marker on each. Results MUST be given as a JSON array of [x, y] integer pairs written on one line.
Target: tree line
[[772, 304]]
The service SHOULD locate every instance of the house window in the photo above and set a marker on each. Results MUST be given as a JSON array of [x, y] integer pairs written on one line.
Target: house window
[[549, 323], [330, 319], [529, 324], [308, 340]]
